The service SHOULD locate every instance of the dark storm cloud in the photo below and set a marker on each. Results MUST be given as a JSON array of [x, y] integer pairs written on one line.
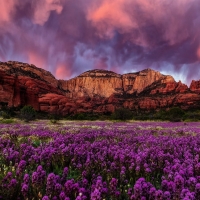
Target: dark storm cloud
[[68, 37]]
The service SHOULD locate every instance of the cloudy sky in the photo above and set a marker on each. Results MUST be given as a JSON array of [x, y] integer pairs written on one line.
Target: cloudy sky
[[68, 37]]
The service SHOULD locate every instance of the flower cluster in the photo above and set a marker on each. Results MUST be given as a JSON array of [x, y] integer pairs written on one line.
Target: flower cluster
[[100, 160]]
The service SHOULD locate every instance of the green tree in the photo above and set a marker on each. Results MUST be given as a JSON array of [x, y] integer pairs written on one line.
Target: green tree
[[4, 110], [175, 114], [27, 113], [122, 114]]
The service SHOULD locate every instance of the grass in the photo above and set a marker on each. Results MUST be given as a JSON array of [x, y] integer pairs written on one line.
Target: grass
[[7, 121]]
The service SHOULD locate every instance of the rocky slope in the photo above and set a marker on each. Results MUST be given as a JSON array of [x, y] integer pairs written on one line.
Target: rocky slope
[[97, 91]]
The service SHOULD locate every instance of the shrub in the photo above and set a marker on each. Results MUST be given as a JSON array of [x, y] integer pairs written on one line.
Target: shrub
[[161, 115], [27, 113], [7, 121], [192, 116], [5, 115], [54, 118], [6, 112], [122, 114], [176, 114], [83, 116]]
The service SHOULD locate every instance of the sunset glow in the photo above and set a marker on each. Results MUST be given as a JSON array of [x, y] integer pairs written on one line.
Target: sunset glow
[[69, 37]]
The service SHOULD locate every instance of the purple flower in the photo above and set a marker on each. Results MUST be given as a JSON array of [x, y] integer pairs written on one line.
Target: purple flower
[[184, 192], [84, 173], [96, 195], [152, 192], [117, 194], [69, 187], [99, 185], [137, 190], [21, 166], [197, 190], [62, 196], [26, 178], [50, 183], [65, 172], [12, 183], [45, 198], [35, 178], [192, 182], [85, 182], [197, 169], [113, 185], [9, 174], [24, 190], [171, 186], [164, 184], [159, 195], [58, 188], [167, 195], [179, 182]]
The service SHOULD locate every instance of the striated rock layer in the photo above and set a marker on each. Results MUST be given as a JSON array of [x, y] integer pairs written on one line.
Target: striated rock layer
[[98, 91]]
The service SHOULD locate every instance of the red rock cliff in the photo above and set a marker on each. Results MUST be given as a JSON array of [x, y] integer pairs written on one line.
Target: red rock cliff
[[98, 91], [22, 84], [195, 86], [93, 83], [105, 83]]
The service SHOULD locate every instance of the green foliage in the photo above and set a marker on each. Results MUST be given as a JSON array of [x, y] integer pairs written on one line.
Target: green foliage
[[83, 116], [54, 118], [36, 142], [161, 115], [176, 114], [7, 121], [5, 115], [27, 113], [6, 112], [122, 114], [192, 116]]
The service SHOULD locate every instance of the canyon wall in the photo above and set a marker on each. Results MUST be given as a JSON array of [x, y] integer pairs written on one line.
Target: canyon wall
[[98, 91]]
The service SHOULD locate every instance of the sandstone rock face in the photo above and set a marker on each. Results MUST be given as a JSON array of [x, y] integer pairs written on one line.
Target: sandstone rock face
[[98, 91], [24, 69], [137, 82], [105, 83], [195, 86], [22, 84], [167, 85], [93, 83]]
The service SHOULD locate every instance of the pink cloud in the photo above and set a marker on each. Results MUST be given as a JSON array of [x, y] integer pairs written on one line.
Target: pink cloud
[[119, 35], [198, 53], [63, 71], [36, 59], [132, 16], [7, 8], [106, 15], [43, 9]]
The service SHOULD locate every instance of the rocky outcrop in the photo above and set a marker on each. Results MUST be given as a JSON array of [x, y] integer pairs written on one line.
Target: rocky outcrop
[[137, 82], [98, 91], [105, 83], [94, 83], [195, 86], [22, 84], [24, 69]]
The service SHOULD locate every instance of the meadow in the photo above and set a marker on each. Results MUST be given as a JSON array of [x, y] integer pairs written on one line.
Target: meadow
[[100, 160]]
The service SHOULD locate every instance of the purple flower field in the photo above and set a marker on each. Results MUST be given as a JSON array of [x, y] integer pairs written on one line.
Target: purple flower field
[[100, 160]]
